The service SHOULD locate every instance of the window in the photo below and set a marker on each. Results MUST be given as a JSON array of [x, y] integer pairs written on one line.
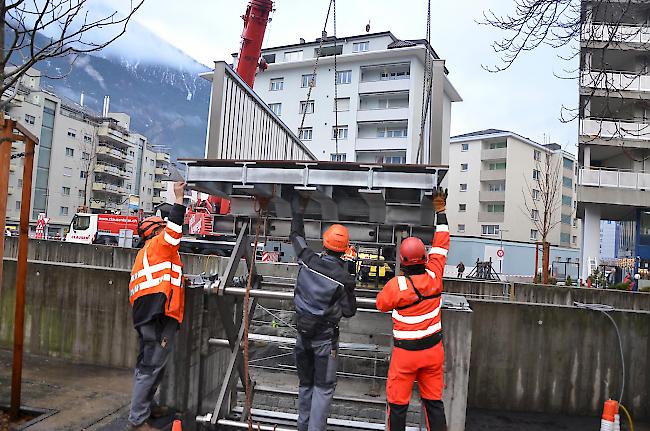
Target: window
[[341, 132], [307, 107], [88, 139], [63, 211], [328, 51], [567, 200], [574, 240], [65, 191], [568, 163], [462, 208], [567, 182], [67, 172], [128, 186], [534, 214], [82, 194], [536, 174], [276, 108], [344, 77], [565, 237], [535, 194], [463, 187], [72, 133], [464, 147], [269, 58], [534, 234], [17, 205], [69, 152], [490, 229], [306, 134], [20, 182], [361, 46], [461, 228], [575, 222], [82, 174], [566, 219], [389, 76], [277, 84], [537, 155], [308, 80], [85, 156], [131, 153], [393, 160], [150, 177], [293, 55], [338, 157], [29, 119], [496, 208], [149, 191], [392, 132], [497, 187], [463, 167], [342, 104], [497, 166], [497, 145], [151, 163]]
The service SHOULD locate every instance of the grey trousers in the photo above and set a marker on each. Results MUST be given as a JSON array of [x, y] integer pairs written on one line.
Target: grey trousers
[[156, 341], [316, 362]]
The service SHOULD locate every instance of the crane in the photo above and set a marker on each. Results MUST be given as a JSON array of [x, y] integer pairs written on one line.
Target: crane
[[255, 19]]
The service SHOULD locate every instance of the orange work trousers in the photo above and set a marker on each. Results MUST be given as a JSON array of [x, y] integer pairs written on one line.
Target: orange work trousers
[[407, 366]]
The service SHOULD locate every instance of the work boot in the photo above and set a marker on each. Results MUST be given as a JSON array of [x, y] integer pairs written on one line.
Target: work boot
[[144, 426], [160, 411]]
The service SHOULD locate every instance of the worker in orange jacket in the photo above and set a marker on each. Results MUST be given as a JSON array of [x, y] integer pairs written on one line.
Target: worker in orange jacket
[[414, 299], [158, 299]]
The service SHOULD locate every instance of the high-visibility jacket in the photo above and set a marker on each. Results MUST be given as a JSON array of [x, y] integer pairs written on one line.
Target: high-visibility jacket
[[158, 269], [415, 301]]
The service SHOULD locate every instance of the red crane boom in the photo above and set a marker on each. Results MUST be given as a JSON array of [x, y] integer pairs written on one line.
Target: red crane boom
[[255, 21]]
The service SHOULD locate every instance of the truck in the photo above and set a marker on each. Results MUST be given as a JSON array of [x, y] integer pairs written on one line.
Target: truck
[[87, 228]]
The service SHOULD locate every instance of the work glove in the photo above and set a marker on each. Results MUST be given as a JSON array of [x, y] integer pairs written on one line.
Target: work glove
[[440, 200]]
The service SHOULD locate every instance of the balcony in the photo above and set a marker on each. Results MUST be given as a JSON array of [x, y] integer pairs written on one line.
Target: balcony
[[624, 81], [378, 85], [612, 128], [494, 175], [495, 154], [108, 188], [484, 216], [378, 144], [382, 114], [111, 170], [601, 32], [161, 172], [158, 185], [113, 134], [112, 153], [614, 179], [163, 157], [157, 200], [488, 196], [97, 205]]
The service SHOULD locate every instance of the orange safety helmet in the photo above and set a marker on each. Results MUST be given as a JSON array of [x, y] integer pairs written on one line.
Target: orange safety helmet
[[412, 252], [336, 238], [148, 226]]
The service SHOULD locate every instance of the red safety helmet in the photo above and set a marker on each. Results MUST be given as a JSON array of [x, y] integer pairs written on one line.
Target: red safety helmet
[[412, 252], [148, 226], [336, 238]]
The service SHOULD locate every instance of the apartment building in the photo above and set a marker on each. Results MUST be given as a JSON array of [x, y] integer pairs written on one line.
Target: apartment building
[[614, 141], [376, 109], [83, 159], [492, 188]]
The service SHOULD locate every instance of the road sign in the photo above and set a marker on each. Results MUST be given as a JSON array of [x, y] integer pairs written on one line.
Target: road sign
[[500, 253]]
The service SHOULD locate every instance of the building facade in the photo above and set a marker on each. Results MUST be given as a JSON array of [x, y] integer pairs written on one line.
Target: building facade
[[614, 141], [84, 160], [494, 193], [376, 109]]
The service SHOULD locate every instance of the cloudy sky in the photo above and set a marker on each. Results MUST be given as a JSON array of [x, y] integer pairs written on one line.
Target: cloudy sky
[[526, 99]]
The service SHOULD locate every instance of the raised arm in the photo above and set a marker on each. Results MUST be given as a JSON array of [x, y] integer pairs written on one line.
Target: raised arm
[[297, 235], [173, 232], [440, 244]]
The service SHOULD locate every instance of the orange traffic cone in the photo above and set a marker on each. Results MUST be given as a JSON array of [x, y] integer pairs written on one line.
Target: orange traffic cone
[[610, 415], [177, 425]]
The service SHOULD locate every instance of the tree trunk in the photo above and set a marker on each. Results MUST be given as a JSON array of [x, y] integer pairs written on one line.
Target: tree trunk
[[546, 258]]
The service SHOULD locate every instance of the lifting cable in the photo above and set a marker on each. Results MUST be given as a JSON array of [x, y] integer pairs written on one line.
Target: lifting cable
[[426, 87], [336, 90], [312, 82]]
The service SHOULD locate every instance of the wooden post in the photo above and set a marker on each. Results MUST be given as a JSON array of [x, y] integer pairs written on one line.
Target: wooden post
[[5, 165], [21, 278]]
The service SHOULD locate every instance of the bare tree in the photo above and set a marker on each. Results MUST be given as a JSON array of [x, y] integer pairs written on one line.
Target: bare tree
[[88, 161], [34, 31], [542, 202], [585, 30]]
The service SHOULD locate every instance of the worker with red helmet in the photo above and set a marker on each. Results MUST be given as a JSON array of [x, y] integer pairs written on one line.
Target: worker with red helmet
[[414, 299], [158, 299], [323, 294]]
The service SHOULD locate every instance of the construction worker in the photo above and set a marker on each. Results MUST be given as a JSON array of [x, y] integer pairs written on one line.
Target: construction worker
[[415, 300], [323, 294], [158, 299]]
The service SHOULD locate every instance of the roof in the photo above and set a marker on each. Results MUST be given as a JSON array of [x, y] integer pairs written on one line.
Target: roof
[[480, 133], [497, 133]]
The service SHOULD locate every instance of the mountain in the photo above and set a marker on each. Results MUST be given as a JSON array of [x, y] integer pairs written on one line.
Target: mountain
[[155, 83]]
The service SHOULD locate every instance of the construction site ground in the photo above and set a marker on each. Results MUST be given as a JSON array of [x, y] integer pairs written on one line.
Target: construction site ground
[[81, 397]]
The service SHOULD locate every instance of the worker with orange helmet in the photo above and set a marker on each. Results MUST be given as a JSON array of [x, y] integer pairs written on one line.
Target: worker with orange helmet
[[323, 294], [158, 299], [414, 299]]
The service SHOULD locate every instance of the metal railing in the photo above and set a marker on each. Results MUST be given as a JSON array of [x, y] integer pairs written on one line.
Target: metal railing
[[614, 179], [242, 126]]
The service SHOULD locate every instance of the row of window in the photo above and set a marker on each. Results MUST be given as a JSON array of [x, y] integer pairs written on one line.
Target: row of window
[[308, 107], [341, 132], [298, 55], [387, 160], [309, 80]]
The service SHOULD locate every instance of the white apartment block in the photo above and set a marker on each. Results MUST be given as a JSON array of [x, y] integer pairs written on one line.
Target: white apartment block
[[491, 181], [380, 83], [614, 140], [83, 159]]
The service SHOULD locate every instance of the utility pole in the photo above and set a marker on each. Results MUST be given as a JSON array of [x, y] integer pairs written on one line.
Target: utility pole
[[501, 258]]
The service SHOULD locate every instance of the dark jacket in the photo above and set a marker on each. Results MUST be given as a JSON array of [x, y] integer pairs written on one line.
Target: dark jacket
[[324, 289]]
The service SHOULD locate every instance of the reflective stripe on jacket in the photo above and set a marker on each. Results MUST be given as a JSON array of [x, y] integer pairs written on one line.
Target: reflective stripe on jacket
[[415, 301], [158, 269]]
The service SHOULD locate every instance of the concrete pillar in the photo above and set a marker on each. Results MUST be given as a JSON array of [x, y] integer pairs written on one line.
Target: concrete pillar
[[590, 239], [436, 113], [586, 156]]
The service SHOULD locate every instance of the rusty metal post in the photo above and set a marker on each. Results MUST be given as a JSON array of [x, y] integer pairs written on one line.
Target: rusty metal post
[[5, 164], [21, 279]]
